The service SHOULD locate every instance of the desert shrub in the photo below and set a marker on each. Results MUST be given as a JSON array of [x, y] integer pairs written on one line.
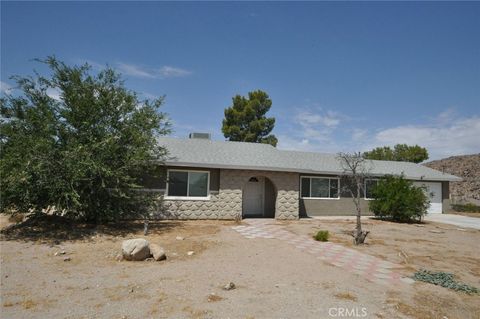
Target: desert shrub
[[397, 198], [444, 279], [321, 235], [82, 150], [471, 208]]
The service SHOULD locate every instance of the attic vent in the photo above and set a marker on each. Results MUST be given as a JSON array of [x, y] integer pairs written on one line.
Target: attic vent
[[204, 136]]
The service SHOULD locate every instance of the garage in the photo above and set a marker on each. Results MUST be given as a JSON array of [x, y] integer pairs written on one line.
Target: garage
[[434, 192]]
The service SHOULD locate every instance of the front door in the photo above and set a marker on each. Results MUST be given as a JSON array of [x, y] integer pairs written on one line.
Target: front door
[[253, 197]]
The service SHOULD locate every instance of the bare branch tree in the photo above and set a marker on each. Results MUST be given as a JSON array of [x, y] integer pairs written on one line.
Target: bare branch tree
[[355, 170]]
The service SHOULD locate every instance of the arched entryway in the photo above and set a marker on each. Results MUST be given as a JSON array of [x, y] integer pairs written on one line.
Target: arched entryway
[[258, 198]]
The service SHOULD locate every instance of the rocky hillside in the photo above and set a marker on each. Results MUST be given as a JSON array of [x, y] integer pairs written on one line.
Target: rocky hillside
[[466, 167]]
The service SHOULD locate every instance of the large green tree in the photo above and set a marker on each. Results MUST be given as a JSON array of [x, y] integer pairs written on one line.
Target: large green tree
[[400, 152], [246, 119], [82, 149]]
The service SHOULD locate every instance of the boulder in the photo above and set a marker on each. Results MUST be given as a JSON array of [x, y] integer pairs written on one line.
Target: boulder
[[135, 249], [229, 286], [157, 252]]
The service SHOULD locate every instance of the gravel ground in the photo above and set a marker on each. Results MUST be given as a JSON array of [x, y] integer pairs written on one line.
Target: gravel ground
[[273, 280]]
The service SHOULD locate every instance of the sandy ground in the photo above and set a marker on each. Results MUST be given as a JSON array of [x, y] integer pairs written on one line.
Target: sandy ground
[[273, 279]]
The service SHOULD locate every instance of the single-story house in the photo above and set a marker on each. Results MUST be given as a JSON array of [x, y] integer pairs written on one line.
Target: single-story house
[[209, 179]]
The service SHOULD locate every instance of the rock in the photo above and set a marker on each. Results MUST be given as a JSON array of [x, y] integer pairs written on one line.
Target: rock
[[157, 252], [179, 238], [229, 286], [190, 253], [135, 249]]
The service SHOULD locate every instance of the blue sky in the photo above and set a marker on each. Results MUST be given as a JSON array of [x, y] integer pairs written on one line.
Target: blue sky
[[342, 76]]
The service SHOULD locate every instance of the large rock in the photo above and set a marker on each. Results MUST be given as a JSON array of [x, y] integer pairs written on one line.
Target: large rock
[[157, 252], [135, 249]]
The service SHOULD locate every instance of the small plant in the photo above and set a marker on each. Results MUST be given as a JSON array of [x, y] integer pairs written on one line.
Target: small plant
[[238, 218], [444, 279], [321, 235]]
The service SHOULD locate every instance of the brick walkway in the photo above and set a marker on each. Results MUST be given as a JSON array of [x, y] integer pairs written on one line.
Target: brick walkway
[[372, 268]]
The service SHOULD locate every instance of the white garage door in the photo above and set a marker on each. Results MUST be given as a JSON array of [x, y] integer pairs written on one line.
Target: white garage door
[[434, 192]]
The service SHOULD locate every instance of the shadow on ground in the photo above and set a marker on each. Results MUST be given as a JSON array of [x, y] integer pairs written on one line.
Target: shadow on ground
[[56, 229]]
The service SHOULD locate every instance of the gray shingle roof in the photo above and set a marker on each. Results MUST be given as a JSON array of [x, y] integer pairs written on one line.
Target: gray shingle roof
[[240, 155]]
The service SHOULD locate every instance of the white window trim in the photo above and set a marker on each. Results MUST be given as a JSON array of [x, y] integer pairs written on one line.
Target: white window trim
[[365, 187], [188, 186], [320, 177]]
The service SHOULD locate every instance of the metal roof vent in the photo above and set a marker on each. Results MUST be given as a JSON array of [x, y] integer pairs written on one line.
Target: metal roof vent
[[202, 136]]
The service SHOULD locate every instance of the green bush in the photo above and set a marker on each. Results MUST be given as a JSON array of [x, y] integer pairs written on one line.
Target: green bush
[[397, 198], [444, 279], [321, 235], [471, 208], [83, 152]]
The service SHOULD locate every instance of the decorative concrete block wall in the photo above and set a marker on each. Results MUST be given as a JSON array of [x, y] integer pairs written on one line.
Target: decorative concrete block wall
[[227, 203]]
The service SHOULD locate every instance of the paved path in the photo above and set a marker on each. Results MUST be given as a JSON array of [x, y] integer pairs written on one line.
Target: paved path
[[371, 268], [457, 220]]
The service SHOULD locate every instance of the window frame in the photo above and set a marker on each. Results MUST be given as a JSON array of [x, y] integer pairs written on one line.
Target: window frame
[[329, 188], [187, 197], [365, 187]]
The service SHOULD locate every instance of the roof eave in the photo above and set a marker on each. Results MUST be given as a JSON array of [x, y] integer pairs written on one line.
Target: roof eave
[[449, 178]]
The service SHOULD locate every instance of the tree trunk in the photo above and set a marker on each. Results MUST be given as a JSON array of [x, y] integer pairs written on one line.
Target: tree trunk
[[360, 235], [145, 226]]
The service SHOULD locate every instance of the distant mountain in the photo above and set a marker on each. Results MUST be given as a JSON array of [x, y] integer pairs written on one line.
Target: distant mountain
[[466, 167]]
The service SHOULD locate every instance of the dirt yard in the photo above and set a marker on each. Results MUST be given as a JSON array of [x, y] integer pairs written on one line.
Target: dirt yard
[[272, 278]]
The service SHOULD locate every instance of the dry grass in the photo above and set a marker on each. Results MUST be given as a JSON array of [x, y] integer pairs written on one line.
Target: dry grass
[[433, 302], [346, 296], [28, 304], [214, 298], [195, 313]]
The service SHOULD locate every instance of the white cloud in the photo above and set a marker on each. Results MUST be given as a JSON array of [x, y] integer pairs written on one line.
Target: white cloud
[[5, 88], [95, 65], [445, 134], [286, 142], [312, 130], [448, 137], [315, 126], [149, 96], [172, 72], [308, 118], [359, 135], [54, 93], [135, 70], [151, 73]]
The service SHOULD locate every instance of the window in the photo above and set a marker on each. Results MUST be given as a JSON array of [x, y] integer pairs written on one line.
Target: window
[[319, 187], [188, 184], [369, 186]]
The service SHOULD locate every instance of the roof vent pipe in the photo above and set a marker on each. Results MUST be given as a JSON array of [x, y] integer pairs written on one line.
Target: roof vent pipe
[[202, 136]]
